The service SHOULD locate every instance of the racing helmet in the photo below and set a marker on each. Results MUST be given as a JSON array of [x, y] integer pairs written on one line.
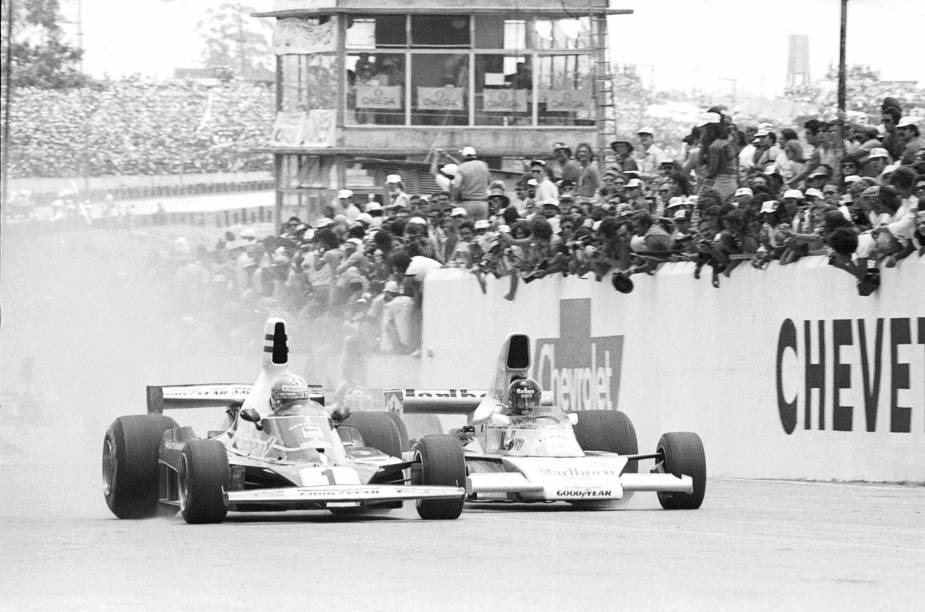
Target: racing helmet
[[524, 395], [287, 391]]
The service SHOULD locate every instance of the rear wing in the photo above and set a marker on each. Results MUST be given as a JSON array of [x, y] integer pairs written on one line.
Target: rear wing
[[440, 401], [215, 395], [432, 401]]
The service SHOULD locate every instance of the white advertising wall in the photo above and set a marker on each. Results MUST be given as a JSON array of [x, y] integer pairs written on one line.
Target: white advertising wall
[[785, 373]]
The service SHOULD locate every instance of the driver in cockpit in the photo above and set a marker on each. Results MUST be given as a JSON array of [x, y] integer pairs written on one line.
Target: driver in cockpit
[[523, 399], [287, 394]]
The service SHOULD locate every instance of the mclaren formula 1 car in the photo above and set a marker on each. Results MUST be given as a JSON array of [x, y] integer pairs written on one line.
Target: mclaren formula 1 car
[[588, 458], [261, 460]]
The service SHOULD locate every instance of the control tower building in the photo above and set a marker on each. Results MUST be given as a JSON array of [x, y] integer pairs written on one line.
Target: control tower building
[[369, 88]]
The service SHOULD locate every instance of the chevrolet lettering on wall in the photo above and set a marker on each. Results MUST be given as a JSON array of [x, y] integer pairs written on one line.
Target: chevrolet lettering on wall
[[582, 372], [851, 375]]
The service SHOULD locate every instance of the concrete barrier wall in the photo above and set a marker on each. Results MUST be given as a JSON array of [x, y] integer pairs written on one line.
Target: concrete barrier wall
[[785, 373]]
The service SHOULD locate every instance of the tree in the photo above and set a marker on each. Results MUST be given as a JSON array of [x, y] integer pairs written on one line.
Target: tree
[[235, 40], [39, 55]]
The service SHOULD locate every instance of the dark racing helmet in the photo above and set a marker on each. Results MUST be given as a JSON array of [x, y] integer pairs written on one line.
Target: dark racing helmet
[[287, 391], [524, 395]]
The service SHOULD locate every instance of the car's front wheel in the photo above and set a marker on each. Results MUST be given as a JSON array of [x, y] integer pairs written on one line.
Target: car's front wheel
[[130, 469], [439, 460], [683, 455], [203, 477]]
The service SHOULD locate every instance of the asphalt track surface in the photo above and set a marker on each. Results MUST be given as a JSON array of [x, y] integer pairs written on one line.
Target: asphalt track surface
[[79, 307], [753, 545]]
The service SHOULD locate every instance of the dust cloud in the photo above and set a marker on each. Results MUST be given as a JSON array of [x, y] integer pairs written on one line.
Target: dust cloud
[[84, 329]]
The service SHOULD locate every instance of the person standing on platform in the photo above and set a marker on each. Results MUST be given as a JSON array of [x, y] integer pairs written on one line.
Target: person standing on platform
[[470, 187]]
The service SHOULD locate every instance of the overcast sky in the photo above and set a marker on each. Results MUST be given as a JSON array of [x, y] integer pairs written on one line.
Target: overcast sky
[[682, 43]]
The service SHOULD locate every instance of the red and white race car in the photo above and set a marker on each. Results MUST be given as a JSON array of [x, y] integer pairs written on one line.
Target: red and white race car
[[588, 458]]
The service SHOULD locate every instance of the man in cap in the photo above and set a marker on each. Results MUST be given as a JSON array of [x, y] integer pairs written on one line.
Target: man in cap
[[562, 166], [546, 190], [907, 130], [345, 206], [396, 189], [374, 210], [470, 187], [766, 149], [623, 150], [876, 161], [649, 157]]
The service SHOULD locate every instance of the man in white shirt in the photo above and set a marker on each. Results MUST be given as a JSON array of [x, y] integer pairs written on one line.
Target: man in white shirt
[[649, 156]]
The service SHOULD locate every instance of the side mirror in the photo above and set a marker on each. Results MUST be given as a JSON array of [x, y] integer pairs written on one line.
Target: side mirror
[[251, 415]]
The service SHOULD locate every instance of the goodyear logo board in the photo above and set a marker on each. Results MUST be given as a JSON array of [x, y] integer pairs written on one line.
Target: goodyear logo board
[[582, 371]]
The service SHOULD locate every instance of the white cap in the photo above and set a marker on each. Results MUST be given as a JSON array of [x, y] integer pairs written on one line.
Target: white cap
[[676, 201], [323, 222], [768, 206], [743, 191], [796, 194], [371, 206], [645, 130], [459, 211], [815, 193], [908, 121], [391, 287], [482, 224], [762, 131], [248, 232], [878, 152], [393, 178], [364, 218], [633, 182], [852, 178], [450, 169], [532, 182], [679, 214], [344, 194], [420, 220], [467, 152]]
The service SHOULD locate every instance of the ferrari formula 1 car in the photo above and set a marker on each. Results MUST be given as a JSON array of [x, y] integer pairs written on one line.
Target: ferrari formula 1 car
[[588, 458], [260, 460]]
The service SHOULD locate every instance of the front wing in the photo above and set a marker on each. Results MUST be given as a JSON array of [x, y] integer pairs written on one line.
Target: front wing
[[534, 479], [314, 497]]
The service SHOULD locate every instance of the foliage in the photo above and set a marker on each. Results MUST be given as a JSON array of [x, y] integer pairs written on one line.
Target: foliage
[[236, 40], [41, 57]]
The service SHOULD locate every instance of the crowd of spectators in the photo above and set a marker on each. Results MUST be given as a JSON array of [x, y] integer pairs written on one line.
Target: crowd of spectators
[[134, 126], [740, 195]]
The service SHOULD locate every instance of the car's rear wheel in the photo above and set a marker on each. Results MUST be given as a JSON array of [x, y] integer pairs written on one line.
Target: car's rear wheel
[[439, 460], [130, 464], [683, 455], [608, 431], [203, 477], [378, 430]]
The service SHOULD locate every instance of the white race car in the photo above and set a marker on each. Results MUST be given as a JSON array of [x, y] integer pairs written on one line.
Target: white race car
[[263, 460], [588, 458]]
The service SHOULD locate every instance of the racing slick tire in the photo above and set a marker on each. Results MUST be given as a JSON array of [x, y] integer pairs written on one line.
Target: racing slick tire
[[130, 465], [683, 455], [378, 431], [439, 460], [202, 478], [609, 431]]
